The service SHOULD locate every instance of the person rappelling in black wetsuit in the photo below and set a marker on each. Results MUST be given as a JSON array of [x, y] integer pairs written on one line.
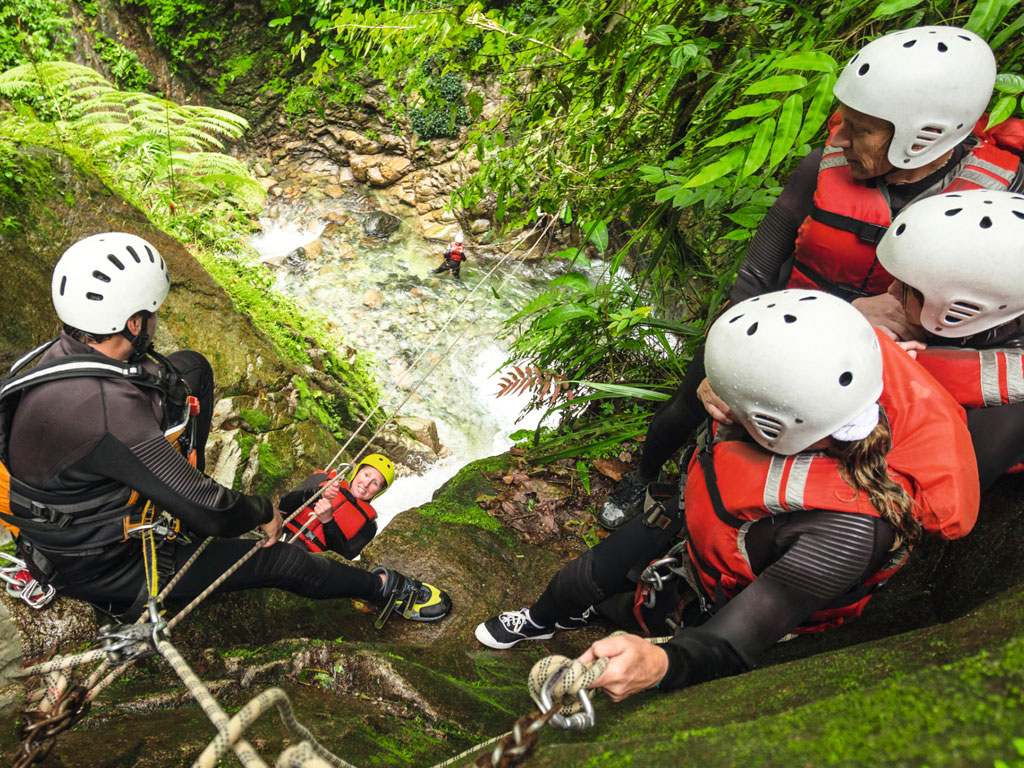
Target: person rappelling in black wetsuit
[[453, 257]]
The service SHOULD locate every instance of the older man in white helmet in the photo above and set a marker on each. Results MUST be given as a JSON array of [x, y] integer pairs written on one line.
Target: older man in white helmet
[[908, 105]]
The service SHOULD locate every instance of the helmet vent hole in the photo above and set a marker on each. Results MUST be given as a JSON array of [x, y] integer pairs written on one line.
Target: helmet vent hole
[[789, 318], [799, 421], [942, 47], [162, 263], [863, 69], [1002, 306], [1019, 214], [959, 311], [770, 306], [63, 284], [733, 320], [115, 261], [855, 57], [953, 211], [910, 43], [845, 378], [900, 230], [752, 330], [808, 298], [93, 296], [100, 276], [134, 254], [769, 427], [985, 222], [959, 126], [152, 260], [964, 37]]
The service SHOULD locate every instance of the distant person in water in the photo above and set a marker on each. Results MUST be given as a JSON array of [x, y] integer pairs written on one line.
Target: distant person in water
[[453, 257]]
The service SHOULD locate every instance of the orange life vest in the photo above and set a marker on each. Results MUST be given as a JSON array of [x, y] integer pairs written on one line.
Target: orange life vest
[[456, 251], [350, 513], [932, 458], [835, 246]]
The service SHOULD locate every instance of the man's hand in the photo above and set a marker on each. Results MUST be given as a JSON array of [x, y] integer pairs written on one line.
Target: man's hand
[[634, 665], [324, 511], [885, 312], [713, 404], [272, 529]]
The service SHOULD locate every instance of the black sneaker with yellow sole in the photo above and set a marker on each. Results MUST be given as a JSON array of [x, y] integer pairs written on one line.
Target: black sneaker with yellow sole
[[410, 598]]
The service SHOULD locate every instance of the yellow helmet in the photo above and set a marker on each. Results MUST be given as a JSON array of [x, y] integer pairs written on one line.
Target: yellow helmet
[[379, 462]]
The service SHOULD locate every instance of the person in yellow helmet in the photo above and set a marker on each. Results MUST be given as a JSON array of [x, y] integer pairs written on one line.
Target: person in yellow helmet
[[343, 521]]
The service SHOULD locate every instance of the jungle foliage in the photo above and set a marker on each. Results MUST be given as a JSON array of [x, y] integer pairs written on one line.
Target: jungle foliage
[[658, 130]]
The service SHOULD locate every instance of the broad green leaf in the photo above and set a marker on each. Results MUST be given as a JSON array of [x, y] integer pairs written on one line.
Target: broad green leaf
[[789, 124], [1009, 83], [598, 233], [476, 104], [815, 61], [652, 174], [819, 109], [720, 12], [757, 109], [684, 197], [1009, 32], [1002, 110], [560, 315], [759, 147], [665, 193], [740, 134], [573, 280], [584, 474], [747, 220], [660, 34], [890, 7], [739, 235], [776, 83], [986, 16], [718, 169]]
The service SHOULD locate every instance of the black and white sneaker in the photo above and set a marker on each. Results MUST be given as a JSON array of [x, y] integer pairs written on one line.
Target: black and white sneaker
[[624, 503], [507, 629]]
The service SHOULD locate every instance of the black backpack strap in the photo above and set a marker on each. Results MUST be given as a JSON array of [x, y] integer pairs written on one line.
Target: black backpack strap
[[706, 459], [869, 233]]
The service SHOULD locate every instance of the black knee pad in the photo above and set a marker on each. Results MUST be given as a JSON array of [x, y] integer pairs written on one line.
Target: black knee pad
[[575, 583]]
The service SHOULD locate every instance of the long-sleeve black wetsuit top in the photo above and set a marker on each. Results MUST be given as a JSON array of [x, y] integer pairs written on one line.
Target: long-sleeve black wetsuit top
[[82, 433], [803, 561], [768, 261]]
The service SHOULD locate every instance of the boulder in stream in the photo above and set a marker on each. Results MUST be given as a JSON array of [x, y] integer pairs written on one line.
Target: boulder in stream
[[380, 224]]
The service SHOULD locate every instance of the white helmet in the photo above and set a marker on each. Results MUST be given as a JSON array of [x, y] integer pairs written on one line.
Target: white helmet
[[931, 83], [458, 238], [103, 280], [964, 251], [794, 366]]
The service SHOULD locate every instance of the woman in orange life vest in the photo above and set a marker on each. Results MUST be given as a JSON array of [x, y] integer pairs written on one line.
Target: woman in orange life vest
[[844, 452], [453, 257], [343, 521], [908, 103], [958, 260]]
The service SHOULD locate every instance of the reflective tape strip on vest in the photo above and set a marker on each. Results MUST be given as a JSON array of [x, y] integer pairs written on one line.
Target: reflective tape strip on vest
[[932, 458], [977, 378], [835, 246]]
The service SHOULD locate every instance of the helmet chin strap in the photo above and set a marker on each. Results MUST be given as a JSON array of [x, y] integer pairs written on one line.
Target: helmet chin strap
[[141, 342]]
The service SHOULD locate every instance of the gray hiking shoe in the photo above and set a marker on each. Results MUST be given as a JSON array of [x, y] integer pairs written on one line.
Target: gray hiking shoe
[[624, 503]]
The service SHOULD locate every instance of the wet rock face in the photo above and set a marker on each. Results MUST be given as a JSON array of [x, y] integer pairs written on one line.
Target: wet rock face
[[380, 224]]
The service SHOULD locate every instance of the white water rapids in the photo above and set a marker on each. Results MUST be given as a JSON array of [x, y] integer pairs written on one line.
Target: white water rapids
[[460, 394]]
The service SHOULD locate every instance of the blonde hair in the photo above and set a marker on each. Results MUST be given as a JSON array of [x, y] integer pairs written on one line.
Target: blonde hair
[[863, 466]]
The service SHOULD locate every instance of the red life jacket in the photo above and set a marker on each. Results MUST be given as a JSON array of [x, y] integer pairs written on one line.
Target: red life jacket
[[978, 378], [349, 513], [456, 251], [932, 458], [835, 246]]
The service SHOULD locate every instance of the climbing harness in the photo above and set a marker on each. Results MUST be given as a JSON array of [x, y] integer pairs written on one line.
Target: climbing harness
[[21, 584]]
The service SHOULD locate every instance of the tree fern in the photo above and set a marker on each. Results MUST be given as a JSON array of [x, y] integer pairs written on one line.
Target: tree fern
[[157, 152]]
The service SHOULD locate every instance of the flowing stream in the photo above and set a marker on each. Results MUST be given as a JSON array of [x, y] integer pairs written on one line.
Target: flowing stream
[[381, 295]]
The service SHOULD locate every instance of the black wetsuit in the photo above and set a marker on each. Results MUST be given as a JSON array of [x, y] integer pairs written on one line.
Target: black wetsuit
[[455, 265], [766, 268], [83, 433], [803, 561]]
